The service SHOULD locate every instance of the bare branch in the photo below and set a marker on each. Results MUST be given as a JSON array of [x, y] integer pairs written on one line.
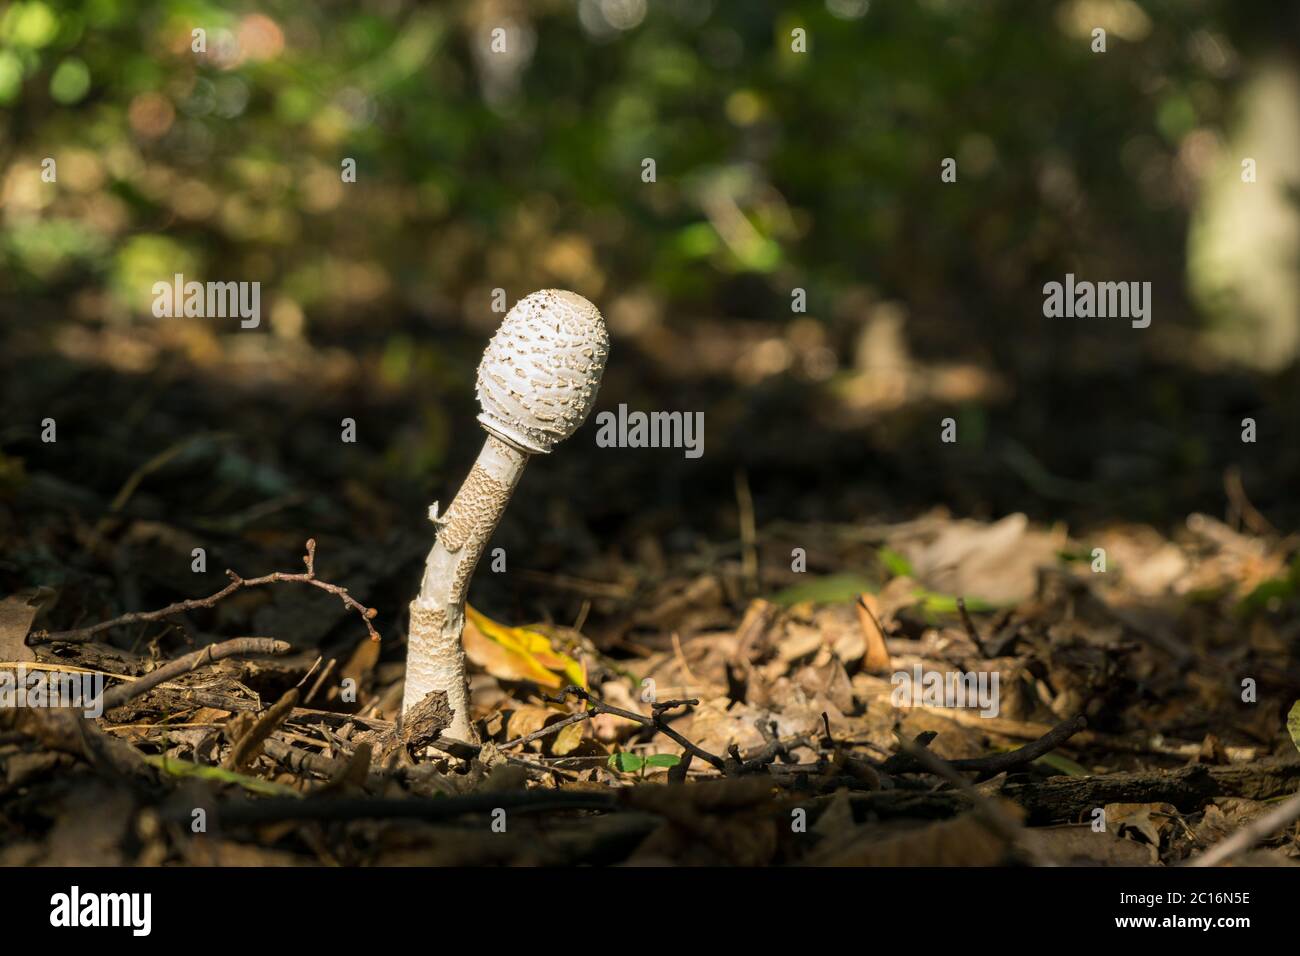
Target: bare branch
[[240, 646], [81, 635]]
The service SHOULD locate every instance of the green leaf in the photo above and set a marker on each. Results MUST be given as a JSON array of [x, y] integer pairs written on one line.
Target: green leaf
[[184, 768], [831, 589], [624, 762], [662, 760], [1273, 590], [934, 603], [1293, 724], [895, 563]]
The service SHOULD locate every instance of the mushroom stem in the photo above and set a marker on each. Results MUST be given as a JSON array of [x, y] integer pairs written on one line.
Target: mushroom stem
[[435, 655]]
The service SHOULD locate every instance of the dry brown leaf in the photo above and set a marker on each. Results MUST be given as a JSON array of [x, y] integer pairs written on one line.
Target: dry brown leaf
[[800, 641], [962, 841], [876, 660], [359, 666], [528, 719], [1150, 820], [996, 562], [1075, 844], [17, 612]]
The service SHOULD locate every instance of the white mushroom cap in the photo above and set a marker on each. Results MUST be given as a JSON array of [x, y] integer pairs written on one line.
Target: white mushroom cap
[[541, 370]]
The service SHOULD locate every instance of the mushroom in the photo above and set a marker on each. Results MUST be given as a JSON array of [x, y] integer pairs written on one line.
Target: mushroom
[[536, 385]]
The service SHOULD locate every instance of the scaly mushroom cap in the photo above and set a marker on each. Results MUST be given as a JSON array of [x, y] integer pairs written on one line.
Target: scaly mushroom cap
[[541, 370]]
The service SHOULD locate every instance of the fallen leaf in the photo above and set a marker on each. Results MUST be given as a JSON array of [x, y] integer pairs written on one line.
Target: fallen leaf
[[800, 641], [184, 768], [996, 562], [961, 841], [517, 653], [830, 589], [1150, 820], [528, 719], [358, 668], [17, 612], [876, 660], [568, 740], [1074, 844]]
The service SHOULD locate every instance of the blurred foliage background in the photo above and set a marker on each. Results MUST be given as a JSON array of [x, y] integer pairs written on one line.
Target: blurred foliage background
[[776, 170]]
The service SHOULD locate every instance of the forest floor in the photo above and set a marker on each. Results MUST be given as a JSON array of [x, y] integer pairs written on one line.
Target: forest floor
[[657, 677]]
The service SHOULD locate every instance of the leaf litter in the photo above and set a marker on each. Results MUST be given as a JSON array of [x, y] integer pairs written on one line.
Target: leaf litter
[[778, 739]]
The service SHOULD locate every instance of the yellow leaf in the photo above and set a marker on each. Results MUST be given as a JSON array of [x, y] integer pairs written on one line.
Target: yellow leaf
[[516, 653], [568, 739]]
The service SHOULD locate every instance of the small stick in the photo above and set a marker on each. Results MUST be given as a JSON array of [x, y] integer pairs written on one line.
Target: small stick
[[81, 635], [600, 707], [1250, 516], [994, 764], [748, 530], [772, 750], [993, 816], [240, 646], [547, 730], [320, 681], [299, 760], [969, 625]]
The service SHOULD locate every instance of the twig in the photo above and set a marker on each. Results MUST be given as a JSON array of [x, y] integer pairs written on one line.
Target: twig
[[994, 764], [657, 721], [161, 728], [1062, 798], [240, 646], [773, 749], [990, 813], [547, 730], [969, 625], [81, 635], [1281, 816], [540, 771], [297, 759], [748, 530], [320, 681], [1250, 516]]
